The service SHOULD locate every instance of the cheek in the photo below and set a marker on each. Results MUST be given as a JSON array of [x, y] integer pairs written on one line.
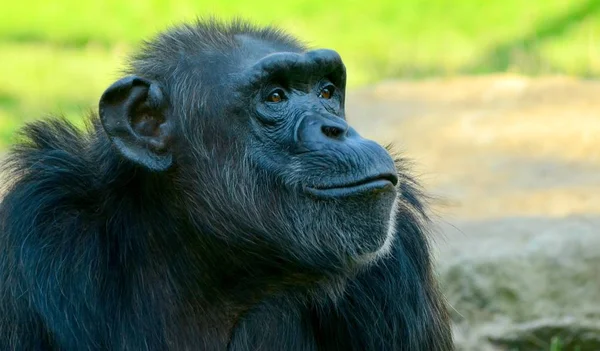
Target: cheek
[[275, 127], [269, 115], [270, 147]]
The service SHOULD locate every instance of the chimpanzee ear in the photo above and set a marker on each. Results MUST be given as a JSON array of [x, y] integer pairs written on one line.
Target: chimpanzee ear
[[133, 114]]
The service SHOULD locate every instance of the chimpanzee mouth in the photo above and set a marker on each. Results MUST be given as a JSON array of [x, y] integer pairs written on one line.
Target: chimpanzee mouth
[[370, 185]]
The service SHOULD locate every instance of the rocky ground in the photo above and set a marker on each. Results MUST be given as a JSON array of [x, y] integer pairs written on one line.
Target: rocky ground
[[514, 164]]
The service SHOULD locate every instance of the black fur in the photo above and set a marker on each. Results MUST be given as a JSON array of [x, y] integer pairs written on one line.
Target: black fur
[[203, 239]]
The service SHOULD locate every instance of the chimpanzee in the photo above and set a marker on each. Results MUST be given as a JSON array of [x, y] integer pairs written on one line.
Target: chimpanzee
[[218, 200]]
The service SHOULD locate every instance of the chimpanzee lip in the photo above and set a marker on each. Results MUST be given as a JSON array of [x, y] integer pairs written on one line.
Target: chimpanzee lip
[[371, 184]]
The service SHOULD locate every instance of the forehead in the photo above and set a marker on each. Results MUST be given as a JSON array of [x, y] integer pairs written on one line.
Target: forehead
[[253, 49], [259, 60]]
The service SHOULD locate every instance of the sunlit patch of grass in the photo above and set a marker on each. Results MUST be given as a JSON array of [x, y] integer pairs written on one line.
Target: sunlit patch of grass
[[40, 80], [378, 39], [60, 55]]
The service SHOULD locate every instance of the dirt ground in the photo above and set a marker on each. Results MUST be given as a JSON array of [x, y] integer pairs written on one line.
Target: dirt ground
[[493, 146], [514, 166]]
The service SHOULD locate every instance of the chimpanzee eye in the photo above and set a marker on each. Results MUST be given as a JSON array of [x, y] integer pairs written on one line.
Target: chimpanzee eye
[[327, 92], [276, 96]]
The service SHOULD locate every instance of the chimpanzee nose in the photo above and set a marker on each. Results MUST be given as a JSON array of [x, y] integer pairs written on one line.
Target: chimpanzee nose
[[319, 129]]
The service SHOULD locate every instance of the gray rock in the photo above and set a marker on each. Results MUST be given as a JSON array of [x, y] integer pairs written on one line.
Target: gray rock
[[513, 279], [567, 333]]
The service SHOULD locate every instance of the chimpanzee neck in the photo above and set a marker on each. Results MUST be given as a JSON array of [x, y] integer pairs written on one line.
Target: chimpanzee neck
[[200, 282], [153, 251]]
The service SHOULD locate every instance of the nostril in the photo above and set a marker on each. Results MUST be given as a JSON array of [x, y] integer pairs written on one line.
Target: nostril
[[333, 132], [322, 130]]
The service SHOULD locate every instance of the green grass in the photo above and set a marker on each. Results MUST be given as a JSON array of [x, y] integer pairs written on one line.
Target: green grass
[[57, 56]]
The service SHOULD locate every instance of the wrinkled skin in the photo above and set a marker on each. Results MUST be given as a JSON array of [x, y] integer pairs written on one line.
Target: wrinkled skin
[[219, 200]]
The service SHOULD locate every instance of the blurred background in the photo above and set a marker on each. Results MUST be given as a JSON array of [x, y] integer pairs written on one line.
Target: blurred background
[[497, 104], [59, 55]]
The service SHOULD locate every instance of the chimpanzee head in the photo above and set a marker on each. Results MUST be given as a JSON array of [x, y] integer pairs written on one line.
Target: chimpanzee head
[[249, 126]]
